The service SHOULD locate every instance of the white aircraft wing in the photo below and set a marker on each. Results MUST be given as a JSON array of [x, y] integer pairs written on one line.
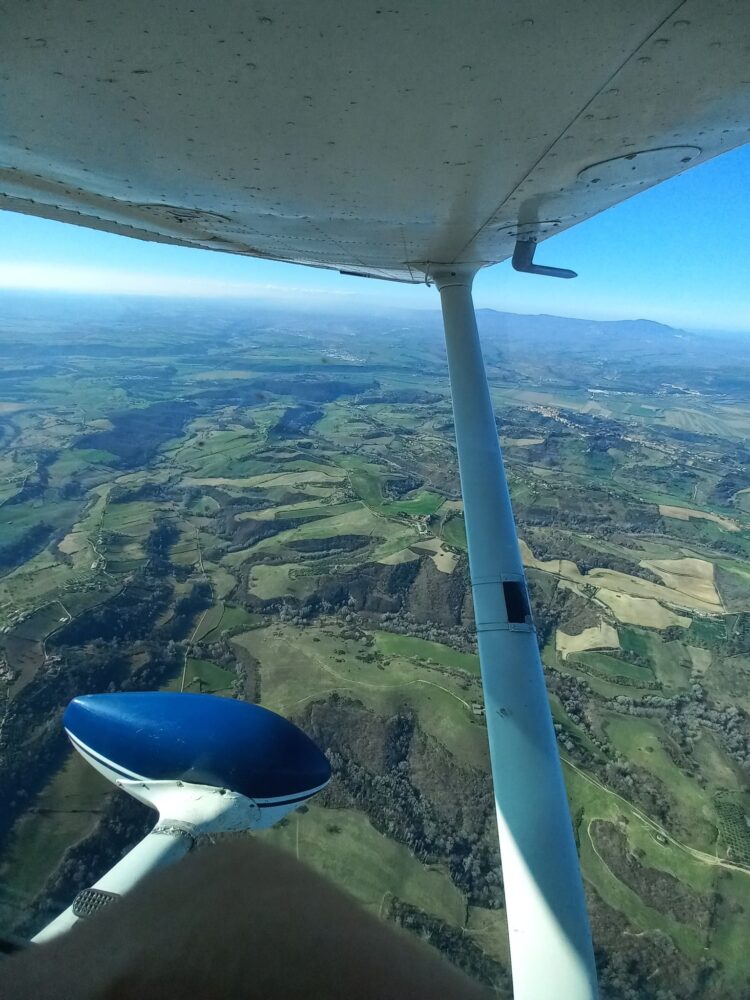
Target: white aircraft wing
[[379, 138]]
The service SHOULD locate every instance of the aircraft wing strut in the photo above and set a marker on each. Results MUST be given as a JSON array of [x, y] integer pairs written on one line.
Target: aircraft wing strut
[[550, 940]]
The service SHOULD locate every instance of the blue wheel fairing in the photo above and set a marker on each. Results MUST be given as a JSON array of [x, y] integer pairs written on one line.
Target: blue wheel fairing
[[199, 738]]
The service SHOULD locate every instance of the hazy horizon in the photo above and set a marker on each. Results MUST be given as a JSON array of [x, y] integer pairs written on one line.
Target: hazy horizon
[[345, 307], [673, 254]]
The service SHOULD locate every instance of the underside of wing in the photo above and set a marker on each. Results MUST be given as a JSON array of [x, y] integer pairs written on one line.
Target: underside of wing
[[380, 140]]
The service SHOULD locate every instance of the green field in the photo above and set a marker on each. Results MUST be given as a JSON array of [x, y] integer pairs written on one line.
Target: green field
[[207, 678], [669, 661], [297, 669], [326, 839], [610, 666], [430, 652], [454, 532], [642, 742], [210, 620], [65, 812], [267, 507]]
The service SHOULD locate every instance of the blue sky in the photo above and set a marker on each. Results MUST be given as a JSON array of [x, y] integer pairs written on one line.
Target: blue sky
[[677, 254]]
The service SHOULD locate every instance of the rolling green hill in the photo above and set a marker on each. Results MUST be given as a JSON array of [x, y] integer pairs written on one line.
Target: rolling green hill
[[209, 501]]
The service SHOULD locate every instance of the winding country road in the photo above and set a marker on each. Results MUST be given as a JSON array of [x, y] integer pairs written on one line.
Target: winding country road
[[709, 859]]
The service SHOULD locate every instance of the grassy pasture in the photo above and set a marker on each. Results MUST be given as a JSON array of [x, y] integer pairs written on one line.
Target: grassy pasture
[[359, 521], [39, 581], [642, 741], [206, 677], [237, 619], [670, 661], [342, 426], [24, 644], [296, 669], [24, 656], [733, 582], [218, 453], [302, 479], [185, 551], [8, 490], [40, 623], [367, 482], [614, 667], [204, 506], [82, 464], [395, 537], [402, 556], [725, 937], [17, 520], [62, 814], [302, 509], [424, 503], [597, 682], [222, 581], [135, 519], [597, 803], [392, 644], [453, 531], [343, 845], [268, 582], [210, 621]]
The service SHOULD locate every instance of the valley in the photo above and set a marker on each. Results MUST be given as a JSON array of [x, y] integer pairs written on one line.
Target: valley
[[264, 504]]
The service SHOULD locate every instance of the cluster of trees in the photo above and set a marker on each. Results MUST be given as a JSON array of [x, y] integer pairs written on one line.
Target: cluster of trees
[[685, 714], [660, 890], [633, 782], [36, 482], [456, 946], [595, 519], [243, 534], [33, 540], [310, 388], [33, 743], [396, 487], [460, 637], [730, 484], [588, 668], [186, 608], [137, 433], [370, 587], [128, 615], [556, 544], [236, 659], [146, 491], [650, 966], [295, 421], [399, 811], [373, 761], [161, 538]]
